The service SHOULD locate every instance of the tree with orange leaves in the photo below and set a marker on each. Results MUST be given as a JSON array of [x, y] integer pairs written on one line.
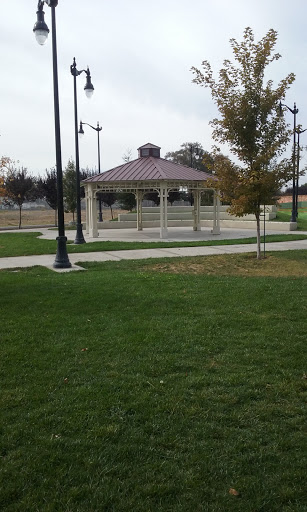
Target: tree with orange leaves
[[4, 167]]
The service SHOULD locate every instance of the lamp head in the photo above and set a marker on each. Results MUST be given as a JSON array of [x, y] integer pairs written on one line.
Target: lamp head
[[40, 29], [89, 88], [81, 131]]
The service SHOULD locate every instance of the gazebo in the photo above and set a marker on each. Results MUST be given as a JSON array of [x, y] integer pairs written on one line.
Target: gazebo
[[149, 173]]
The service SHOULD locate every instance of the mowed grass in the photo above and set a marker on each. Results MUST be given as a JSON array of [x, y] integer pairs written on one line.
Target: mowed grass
[[155, 386], [25, 244], [285, 216]]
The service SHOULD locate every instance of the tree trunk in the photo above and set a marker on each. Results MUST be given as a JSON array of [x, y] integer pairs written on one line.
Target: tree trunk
[[258, 237], [55, 217], [111, 212], [19, 227]]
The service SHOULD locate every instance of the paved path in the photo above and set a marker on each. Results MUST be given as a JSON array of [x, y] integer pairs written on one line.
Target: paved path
[[47, 260]]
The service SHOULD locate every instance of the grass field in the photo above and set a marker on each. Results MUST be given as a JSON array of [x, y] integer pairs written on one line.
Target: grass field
[[157, 386], [285, 216], [25, 244]]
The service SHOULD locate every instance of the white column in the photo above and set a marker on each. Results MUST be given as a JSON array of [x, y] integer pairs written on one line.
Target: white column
[[218, 208], [93, 229], [139, 220], [163, 211], [216, 214], [196, 211], [86, 210]]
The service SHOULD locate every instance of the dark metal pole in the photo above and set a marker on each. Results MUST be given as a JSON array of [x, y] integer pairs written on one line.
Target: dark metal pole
[[192, 149], [298, 165], [61, 259], [297, 170], [98, 131], [79, 234], [293, 215], [293, 111], [99, 171], [264, 233]]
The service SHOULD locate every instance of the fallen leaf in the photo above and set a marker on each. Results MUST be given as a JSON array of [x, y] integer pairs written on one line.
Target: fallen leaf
[[84, 349], [233, 492]]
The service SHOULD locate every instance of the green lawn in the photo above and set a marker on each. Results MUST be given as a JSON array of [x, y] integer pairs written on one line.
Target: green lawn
[[285, 216], [155, 386], [25, 244]]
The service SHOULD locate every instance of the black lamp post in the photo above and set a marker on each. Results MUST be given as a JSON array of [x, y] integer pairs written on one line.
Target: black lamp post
[[298, 131], [293, 111], [41, 33], [194, 151], [89, 89], [98, 130]]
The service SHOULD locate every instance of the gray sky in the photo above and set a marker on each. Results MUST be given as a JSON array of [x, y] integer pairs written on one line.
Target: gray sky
[[140, 53]]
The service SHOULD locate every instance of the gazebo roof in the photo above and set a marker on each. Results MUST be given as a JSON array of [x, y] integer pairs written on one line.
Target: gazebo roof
[[150, 168]]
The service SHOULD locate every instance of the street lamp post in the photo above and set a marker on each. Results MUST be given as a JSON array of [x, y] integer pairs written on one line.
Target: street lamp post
[[298, 131], [293, 111], [98, 130], [89, 89], [41, 33], [194, 151]]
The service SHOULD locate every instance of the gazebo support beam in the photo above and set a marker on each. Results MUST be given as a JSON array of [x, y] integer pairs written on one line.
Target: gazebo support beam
[[91, 204], [196, 210], [139, 194], [216, 214], [86, 210], [163, 211]]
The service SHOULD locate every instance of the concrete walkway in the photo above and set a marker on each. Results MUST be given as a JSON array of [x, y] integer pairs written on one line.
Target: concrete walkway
[[177, 234]]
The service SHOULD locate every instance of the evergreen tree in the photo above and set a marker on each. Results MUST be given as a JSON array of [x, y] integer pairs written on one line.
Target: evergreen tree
[[153, 196], [127, 201], [47, 187], [69, 188], [191, 154]]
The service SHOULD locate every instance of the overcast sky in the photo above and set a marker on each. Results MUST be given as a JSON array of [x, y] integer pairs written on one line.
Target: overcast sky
[[140, 53]]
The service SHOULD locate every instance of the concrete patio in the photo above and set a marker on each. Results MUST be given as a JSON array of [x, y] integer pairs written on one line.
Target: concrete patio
[[175, 234]]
